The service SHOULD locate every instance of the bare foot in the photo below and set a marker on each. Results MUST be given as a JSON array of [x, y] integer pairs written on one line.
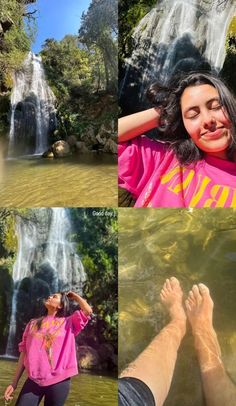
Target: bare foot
[[199, 306], [171, 296]]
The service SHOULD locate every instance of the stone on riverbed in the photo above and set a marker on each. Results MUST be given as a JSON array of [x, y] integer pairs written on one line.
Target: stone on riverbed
[[61, 149]]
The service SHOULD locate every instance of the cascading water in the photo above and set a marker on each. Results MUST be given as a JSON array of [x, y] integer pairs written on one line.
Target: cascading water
[[46, 255], [175, 35], [60, 252], [32, 109]]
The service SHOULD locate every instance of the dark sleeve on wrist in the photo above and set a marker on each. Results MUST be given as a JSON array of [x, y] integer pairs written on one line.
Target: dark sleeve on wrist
[[134, 392]]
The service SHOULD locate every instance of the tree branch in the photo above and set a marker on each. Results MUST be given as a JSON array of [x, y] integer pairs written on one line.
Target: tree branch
[[29, 14]]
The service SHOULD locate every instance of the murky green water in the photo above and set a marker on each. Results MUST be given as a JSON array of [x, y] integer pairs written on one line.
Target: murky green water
[[86, 389], [195, 246], [87, 180]]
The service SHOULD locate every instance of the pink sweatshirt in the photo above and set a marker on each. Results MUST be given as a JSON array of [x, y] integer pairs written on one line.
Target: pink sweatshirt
[[153, 175], [50, 353]]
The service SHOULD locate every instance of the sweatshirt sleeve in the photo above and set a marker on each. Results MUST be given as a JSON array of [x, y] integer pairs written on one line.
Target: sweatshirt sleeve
[[137, 160], [22, 344], [79, 321]]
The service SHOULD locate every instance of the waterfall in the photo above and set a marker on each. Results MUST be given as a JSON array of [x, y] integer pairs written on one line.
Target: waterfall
[[32, 109], [176, 34], [60, 252], [46, 254]]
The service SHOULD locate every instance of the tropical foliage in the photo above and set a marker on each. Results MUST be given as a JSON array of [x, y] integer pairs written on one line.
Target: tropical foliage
[[130, 13]]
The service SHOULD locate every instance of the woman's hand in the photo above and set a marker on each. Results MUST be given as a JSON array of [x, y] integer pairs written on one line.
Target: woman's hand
[[72, 295], [82, 302], [8, 392]]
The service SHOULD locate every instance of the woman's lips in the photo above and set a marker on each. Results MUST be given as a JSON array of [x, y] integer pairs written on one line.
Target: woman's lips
[[213, 135]]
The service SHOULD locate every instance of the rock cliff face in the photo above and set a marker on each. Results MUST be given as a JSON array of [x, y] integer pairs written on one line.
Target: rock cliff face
[[175, 35]]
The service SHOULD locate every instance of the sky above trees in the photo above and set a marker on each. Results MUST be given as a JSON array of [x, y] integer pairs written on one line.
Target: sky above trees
[[56, 18]]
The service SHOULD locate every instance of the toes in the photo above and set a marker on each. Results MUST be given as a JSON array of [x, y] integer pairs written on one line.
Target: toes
[[168, 284], [174, 282], [196, 294], [188, 305], [203, 289], [163, 294], [192, 301]]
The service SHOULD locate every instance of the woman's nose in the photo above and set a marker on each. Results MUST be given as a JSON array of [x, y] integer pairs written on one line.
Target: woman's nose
[[208, 120]]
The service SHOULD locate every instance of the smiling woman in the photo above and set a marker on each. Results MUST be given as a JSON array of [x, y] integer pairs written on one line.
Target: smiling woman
[[48, 352], [194, 165], [205, 120]]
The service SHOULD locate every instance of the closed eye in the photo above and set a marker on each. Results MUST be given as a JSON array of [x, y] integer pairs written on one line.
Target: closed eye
[[192, 116], [216, 107]]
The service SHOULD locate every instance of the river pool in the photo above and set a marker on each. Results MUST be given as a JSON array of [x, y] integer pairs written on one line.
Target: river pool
[[82, 181], [86, 389], [195, 246]]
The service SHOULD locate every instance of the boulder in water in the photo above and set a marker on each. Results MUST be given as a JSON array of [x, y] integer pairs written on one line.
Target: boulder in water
[[81, 147], [110, 146], [108, 357], [72, 140], [88, 358], [48, 154], [61, 149]]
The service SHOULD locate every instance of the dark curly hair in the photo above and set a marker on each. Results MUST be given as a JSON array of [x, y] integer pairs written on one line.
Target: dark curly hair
[[172, 129], [62, 312]]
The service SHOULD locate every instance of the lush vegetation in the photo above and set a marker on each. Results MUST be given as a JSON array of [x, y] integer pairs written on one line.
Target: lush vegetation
[[14, 44], [129, 16], [230, 60], [82, 71], [14, 41], [95, 235], [97, 245]]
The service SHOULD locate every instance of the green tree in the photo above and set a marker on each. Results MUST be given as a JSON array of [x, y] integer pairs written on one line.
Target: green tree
[[97, 245], [130, 13], [98, 29]]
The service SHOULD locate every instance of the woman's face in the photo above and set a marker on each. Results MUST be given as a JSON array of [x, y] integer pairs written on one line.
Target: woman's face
[[53, 301], [205, 119]]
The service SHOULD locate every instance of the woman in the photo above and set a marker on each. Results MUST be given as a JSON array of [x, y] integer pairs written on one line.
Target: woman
[[194, 164], [48, 352]]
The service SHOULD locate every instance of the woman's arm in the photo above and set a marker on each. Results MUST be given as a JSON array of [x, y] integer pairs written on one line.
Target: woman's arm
[[19, 371], [82, 302], [136, 124]]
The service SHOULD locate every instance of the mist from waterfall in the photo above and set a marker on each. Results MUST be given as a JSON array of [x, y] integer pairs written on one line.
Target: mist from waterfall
[[174, 33], [32, 109], [44, 248]]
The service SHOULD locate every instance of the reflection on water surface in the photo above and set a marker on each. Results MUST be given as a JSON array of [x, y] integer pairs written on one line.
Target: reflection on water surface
[[195, 246], [87, 180]]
